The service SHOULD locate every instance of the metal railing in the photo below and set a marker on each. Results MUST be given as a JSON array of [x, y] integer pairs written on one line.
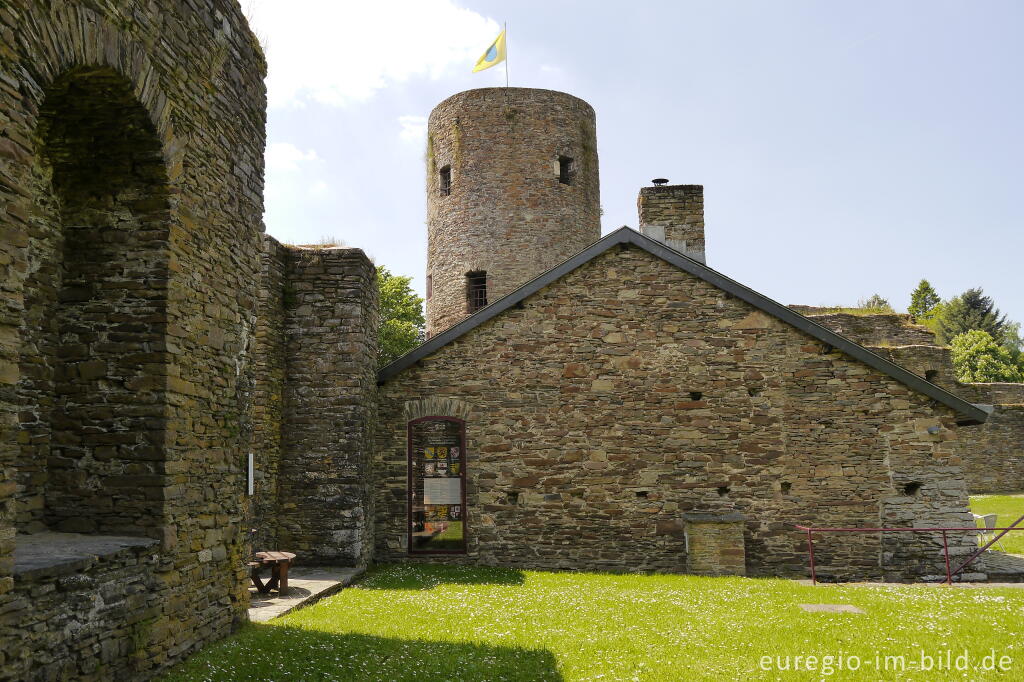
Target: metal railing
[[810, 530]]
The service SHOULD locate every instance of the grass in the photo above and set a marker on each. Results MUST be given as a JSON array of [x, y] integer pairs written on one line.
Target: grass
[[836, 310], [1009, 508], [428, 622]]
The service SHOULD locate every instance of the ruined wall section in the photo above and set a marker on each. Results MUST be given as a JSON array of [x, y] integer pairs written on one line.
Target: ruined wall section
[[992, 455], [627, 394], [175, 322], [324, 506], [884, 329], [524, 192]]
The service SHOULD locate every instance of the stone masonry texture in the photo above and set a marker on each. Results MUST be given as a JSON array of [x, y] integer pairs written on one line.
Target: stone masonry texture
[[674, 215], [714, 546], [131, 181], [872, 330], [507, 214], [629, 393], [315, 403], [991, 454]]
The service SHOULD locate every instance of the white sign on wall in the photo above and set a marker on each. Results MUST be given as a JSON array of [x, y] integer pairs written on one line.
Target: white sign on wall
[[442, 491]]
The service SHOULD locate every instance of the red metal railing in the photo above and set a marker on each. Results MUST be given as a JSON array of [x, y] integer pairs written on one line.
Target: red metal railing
[[945, 542]]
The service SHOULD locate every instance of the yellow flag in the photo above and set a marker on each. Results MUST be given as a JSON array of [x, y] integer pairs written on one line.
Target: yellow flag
[[494, 54]]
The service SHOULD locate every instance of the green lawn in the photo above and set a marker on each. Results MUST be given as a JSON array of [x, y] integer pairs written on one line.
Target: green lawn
[[423, 622], [1010, 508]]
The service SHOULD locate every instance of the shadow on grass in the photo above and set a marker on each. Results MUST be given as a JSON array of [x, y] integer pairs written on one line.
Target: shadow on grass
[[414, 576], [269, 652]]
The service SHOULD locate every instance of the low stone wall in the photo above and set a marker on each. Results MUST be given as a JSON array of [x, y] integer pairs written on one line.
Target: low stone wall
[[995, 394], [993, 453], [88, 608]]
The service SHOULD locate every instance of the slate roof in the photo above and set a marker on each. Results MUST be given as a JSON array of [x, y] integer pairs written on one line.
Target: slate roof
[[969, 413]]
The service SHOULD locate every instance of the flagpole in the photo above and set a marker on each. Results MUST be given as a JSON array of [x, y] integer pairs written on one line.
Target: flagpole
[[504, 28]]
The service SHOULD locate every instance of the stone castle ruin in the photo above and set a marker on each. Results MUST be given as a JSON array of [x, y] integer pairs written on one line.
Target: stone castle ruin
[[582, 402]]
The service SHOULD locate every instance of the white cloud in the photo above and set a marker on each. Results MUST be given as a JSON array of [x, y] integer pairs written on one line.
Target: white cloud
[[336, 53], [285, 157], [414, 128], [319, 189]]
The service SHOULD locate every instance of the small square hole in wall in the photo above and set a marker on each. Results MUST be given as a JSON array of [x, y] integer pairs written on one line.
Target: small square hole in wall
[[696, 395], [512, 498], [931, 375], [641, 494], [753, 392], [723, 490], [912, 488], [785, 487]]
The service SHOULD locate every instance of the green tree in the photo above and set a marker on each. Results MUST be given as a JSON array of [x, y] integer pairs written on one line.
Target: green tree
[[923, 301], [875, 303], [968, 311], [1013, 342], [978, 358], [401, 317]]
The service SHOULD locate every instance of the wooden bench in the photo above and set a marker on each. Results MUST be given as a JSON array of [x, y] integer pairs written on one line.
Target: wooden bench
[[279, 563]]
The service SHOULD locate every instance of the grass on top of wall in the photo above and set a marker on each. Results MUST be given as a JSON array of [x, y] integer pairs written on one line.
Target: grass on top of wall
[[429, 622], [1009, 508], [840, 310]]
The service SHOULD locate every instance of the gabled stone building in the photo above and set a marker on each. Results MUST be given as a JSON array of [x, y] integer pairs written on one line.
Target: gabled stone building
[[632, 402]]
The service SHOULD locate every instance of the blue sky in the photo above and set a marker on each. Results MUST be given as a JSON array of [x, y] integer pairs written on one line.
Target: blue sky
[[845, 148]]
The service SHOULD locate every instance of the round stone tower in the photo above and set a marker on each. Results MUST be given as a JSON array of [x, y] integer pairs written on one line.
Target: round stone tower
[[512, 190]]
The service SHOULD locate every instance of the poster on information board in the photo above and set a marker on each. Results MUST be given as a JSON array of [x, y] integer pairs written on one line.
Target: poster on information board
[[437, 486]]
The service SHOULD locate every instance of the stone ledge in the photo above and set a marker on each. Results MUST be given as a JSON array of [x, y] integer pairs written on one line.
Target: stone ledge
[[41, 555], [711, 517]]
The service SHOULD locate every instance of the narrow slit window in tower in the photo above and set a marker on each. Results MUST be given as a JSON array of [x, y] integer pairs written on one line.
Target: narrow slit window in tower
[[476, 290], [446, 181], [566, 170]]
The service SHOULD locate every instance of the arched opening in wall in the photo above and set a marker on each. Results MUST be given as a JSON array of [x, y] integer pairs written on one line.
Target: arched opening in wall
[[94, 401]]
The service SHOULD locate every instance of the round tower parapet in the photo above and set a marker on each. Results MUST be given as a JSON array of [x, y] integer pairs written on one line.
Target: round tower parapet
[[512, 190]]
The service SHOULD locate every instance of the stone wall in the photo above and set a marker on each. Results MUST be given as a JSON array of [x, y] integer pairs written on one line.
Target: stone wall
[[322, 509], [933, 363], [993, 456], [131, 178], [507, 213], [674, 215], [92, 615], [269, 360], [715, 544], [890, 329], [629, 393]]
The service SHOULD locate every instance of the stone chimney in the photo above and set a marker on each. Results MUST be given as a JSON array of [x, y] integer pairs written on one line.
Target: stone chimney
[[674, 216]]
